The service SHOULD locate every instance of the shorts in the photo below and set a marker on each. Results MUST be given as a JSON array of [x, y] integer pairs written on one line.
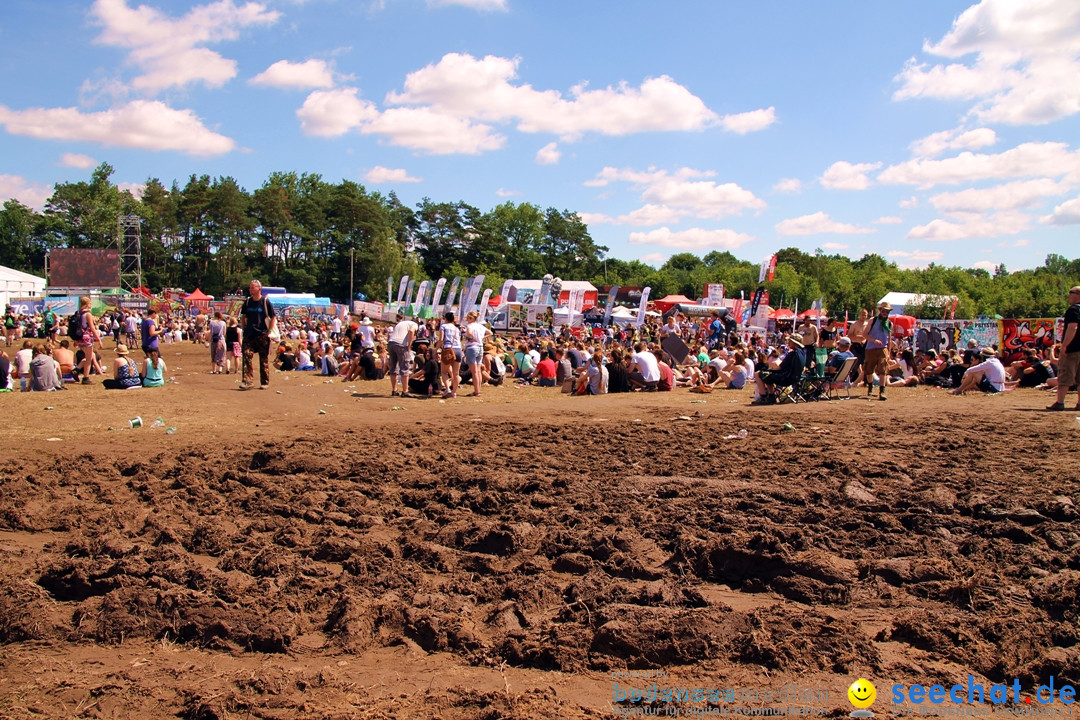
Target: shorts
[[546, 382], [1068, 369], [400, 360], [474, 355], [986, 386], [237, 349]]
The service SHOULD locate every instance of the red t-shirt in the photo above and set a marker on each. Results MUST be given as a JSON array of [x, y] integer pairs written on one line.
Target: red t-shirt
[[667, 378], [547, 368]]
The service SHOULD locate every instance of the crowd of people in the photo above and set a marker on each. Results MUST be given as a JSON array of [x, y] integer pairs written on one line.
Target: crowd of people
[[437, 357]]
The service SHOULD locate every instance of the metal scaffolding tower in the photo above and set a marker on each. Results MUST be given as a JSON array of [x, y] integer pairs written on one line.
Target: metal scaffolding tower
[[129, 242]]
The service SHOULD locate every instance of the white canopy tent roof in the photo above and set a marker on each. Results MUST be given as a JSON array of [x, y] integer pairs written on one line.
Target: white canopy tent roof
[[15, 283]]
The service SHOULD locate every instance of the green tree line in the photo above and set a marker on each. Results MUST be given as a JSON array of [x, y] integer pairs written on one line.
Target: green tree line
[[309, 235]]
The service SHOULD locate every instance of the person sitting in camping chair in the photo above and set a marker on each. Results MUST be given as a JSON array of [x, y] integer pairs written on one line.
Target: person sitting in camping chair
[[770, 384]]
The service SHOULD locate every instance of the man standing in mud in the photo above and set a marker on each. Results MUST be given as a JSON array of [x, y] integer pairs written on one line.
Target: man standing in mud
[[257, 321], [1069, 363], [877, 350]]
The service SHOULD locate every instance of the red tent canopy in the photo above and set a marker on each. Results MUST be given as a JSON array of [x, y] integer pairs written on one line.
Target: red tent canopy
[[495, 301], [666, 303], [813, 313], [903, 325], [197, 294], [782, 314]]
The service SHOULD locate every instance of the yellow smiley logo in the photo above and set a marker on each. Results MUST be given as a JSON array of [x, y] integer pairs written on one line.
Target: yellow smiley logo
[[862, 693]]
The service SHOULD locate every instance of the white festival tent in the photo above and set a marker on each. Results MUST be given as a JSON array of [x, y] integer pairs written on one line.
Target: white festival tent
[[15, 283]]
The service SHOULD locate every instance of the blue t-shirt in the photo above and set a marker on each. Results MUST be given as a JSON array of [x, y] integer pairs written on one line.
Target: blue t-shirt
[[150, 343]]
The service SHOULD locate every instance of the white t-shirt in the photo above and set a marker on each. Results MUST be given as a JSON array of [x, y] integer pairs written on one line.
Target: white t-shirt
[[336, 325], [451, 335], [22, 361], [992, 370], [474, 334], [647, 366], [400, 334], [367, 336]]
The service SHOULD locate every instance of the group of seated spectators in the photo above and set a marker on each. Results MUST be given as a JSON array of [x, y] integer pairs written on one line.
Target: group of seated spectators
[[45, 367]]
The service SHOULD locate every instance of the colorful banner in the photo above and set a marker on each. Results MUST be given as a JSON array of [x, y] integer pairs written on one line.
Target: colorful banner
[[643, 306], [1019, 335], [451, 298], [505, 290], [401, 288], [612, 292], [437, 297], [755, 303], [484, 305], [943, 336], [714, 294], [389, 290], [421, 294], [772, 268]]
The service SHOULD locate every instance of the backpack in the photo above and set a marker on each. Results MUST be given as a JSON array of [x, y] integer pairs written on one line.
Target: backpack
[[498, 365], [75, 327]]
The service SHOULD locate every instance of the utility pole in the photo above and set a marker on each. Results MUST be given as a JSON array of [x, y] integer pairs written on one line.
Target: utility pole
[[351, 265]]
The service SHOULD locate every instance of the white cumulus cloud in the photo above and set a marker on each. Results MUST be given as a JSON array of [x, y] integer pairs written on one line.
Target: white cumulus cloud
[[748, 122], [548, 155], [917, 255], [1009, 196], [31, 194], [484, 5], [654, 259], [695, 239], [788, 185], [142, 124], [77, 160], [939, 142], [1017, 60], [969, 226], [332, 113], [888, 220], [683, 192], [843, 175], [169, 50], [1067, 213], [485, 89], [818, 223], [379, 175], [1046, 159], [299, 76]]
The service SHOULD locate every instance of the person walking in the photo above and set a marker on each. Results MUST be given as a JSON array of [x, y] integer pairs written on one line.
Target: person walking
[[88, 335], [257, 321], [217, 344], [877, 350], [1069, 362]]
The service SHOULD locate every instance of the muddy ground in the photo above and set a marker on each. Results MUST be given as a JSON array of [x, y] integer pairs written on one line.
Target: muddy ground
[[320, 550]]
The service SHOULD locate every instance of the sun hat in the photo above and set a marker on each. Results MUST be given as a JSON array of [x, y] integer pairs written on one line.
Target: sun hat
[[121, 349], [845, 340], [989, 352], [796, 338], [884, 305]]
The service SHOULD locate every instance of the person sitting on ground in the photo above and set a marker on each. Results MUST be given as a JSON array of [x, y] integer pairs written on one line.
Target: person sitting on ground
[[1031, 372], [125, 371], [424, 380], [545, 372], [303, 358], [644, 370], [523, 364], [902, 372], [987, 376], [734, 376], [44, 371], [153, 370], [66, 358], [564, 370], [5, 372], [667, 375], [285, 359], [493, 370], [768, 382], [592, 379], [618, 373]]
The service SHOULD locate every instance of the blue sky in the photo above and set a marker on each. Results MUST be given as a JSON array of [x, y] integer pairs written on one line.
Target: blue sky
[[925, 130]]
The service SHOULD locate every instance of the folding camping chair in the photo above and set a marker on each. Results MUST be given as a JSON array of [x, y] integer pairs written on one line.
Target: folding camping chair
[[842, 380], [812, 384]]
